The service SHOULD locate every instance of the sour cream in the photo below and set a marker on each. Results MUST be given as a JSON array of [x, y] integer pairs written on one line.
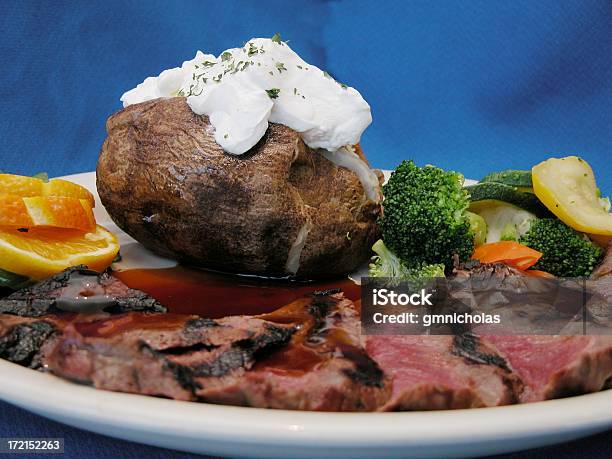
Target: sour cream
[[265, 81]]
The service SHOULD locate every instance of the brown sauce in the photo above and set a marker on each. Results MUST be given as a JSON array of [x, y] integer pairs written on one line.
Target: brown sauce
[[190, 291], [312, 344], [113, 326], [185, 291], [294, 360]]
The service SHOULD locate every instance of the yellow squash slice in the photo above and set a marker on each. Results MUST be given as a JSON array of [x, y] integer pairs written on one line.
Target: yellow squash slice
[[566, 186]]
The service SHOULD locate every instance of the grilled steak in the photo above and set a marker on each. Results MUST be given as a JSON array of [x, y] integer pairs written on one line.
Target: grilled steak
[[605, 267], [163, 355], [306, 355], [34, 316], [601, 285], [323, 368], [78, 289], [442, 372], [556, 366], [22, 338]]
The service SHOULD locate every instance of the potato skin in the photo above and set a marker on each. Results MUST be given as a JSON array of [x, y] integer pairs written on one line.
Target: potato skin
[[167, 183]]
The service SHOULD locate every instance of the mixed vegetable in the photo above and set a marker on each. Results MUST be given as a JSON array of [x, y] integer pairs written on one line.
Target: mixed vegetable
[[550, 221], [386, 264], [426, 218]]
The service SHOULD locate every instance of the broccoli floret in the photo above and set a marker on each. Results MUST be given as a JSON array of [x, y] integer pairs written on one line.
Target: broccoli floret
[[427, 271], [387, 264], [565, 252], [424, 220]]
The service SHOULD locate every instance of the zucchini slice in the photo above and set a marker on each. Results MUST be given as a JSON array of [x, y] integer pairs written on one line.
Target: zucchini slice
[[492, 191], [511, 177]]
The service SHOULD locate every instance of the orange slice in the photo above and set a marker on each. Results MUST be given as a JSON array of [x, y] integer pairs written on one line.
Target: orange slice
[[40, 252], [13, 212], [51, 211], [64, 188], [20, 185]]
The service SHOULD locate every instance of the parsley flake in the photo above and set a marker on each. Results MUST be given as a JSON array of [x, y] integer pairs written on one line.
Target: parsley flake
[[273, 93], [277, 38], [252, 49]]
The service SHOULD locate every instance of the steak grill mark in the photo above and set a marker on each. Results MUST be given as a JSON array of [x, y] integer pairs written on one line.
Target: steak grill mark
[[469, 346], [23, 341]]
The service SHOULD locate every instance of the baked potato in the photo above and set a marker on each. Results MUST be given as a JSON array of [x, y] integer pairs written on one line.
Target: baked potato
[[279, 210]]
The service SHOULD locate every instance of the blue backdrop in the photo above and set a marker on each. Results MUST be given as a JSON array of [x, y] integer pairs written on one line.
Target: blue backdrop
[[467, 85]]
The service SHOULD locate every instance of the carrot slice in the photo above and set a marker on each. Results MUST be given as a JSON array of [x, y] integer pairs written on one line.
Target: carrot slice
[[509, 252]]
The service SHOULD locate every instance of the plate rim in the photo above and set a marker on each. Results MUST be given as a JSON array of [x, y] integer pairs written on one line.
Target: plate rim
[[66, 401]]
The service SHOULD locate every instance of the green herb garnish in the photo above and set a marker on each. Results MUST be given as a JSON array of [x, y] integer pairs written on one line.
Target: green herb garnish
[[277, 38], [252, 49], [273, 93]]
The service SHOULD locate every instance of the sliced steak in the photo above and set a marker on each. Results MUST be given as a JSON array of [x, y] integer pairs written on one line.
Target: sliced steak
[[160, 355], [324, 368], [306, 355], [78, 289], [553, 366], [442, 372], [556, 366], [22, 338], [605, 267], [600, 305], [32, 317]]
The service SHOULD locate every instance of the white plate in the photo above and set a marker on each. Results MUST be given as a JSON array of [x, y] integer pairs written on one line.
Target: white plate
[[233, 431]]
